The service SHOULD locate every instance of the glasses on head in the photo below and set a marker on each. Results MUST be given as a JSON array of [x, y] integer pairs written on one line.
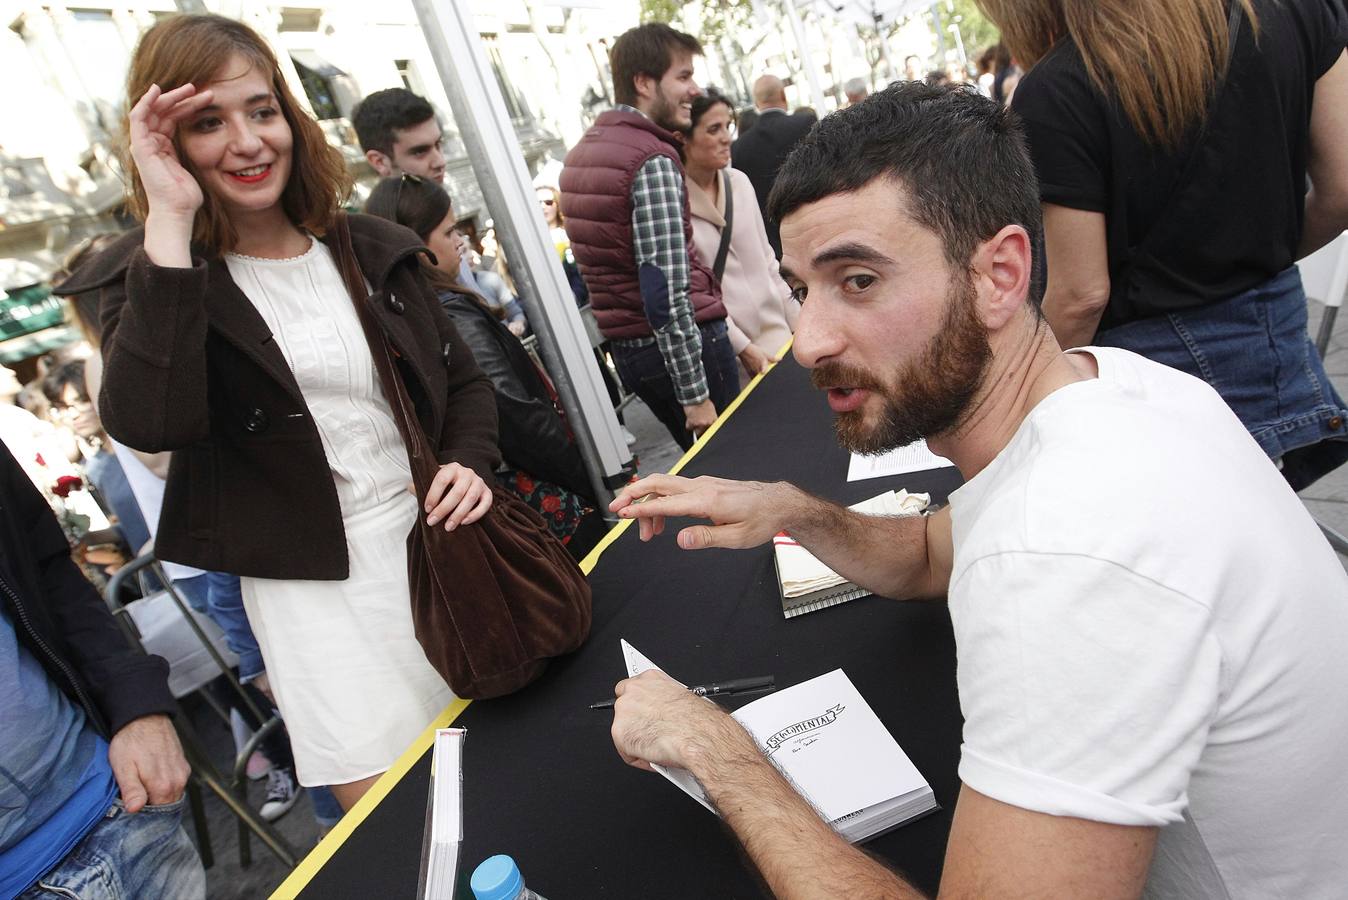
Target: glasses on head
[[548, 202], [398, 195]]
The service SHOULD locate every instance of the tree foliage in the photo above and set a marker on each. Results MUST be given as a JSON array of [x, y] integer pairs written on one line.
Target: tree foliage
[[975, 28], [707, 20]]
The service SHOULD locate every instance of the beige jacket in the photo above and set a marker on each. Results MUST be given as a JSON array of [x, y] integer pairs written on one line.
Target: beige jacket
[[758, 302]]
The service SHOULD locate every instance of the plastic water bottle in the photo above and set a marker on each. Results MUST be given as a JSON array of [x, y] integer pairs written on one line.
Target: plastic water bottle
[[498, 878]]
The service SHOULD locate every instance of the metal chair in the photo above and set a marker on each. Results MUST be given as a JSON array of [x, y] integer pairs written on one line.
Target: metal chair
[[597, 340], [159, 621]]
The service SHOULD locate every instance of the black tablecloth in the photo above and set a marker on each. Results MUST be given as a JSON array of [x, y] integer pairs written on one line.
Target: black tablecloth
[[542, 781]]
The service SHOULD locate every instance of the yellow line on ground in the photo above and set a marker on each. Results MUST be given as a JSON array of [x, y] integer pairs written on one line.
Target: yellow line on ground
[[309, 866]]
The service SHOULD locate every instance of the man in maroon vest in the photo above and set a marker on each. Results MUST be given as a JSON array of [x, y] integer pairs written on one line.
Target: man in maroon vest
[[627, 217]]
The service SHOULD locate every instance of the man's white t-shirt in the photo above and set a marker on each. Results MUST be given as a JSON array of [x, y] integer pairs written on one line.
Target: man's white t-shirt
[[1151, 630]]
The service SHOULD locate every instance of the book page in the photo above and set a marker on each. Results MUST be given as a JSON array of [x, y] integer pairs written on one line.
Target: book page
[[636, 664], [913, 458], [444, 831], [828, 741]]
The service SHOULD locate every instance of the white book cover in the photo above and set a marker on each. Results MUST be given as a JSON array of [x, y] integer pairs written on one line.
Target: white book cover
[[828, 742]]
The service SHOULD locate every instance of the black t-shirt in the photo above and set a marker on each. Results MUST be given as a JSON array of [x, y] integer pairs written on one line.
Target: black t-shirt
[[1178, 239]]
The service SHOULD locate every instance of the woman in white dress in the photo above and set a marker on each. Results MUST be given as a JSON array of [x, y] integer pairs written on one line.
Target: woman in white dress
[[231, 339]]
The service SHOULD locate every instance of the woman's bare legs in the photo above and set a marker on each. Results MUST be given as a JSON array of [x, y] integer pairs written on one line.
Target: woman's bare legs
[[347, 794]]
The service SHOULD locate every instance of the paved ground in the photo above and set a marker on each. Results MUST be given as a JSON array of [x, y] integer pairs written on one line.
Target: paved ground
[[1327, 500]]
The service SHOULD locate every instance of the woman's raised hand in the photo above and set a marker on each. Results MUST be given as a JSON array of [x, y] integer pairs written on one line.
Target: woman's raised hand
[[169, 188]]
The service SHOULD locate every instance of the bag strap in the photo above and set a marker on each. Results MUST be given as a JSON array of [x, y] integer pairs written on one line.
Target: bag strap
[[418, 447], [719, 267]]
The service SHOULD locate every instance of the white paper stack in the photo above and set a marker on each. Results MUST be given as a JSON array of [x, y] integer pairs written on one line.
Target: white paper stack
[[444, 820], [806, 583], [914, 457]]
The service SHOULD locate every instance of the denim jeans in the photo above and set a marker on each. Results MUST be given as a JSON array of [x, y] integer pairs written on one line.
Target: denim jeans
[[642, 370], [1254, 350], [128, 857]]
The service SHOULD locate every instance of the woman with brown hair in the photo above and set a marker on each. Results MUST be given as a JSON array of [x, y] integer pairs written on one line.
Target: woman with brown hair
[[1173, 140], [542, 463], [725, 213], [231, 339]]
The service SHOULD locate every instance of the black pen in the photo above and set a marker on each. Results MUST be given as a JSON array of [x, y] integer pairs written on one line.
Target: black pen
[[762, 683]]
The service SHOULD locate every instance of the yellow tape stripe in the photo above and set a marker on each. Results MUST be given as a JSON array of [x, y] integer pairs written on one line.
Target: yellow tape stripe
[[592, 558], [308, 867]]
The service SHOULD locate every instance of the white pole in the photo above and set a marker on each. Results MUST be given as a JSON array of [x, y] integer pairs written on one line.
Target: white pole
[[498, 163], [806, 60]]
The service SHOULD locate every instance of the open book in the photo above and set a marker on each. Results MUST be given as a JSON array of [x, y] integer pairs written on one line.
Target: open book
[[444, 816], [806, 583], [825, 738]]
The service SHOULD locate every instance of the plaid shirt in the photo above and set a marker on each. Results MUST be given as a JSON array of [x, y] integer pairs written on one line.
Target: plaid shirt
[[657, 239]]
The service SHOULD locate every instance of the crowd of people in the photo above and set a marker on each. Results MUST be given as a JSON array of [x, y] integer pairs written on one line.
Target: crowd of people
[[1075, 279]]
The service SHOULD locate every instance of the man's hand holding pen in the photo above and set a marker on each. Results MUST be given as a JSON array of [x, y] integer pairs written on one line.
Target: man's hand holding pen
[[760, 684], [657, 720]]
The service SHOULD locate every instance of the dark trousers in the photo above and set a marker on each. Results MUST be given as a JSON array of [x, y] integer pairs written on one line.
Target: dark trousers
[[642, 370]]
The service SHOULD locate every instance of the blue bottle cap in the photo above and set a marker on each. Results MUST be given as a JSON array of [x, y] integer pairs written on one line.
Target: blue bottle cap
[[497, 878]]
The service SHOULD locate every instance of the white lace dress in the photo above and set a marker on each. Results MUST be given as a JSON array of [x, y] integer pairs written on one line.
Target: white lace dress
[[350, 679]]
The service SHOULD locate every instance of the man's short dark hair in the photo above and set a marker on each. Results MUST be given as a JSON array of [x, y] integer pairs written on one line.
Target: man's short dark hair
[[960, 157], [379, 114], [67, 373], [646, 50]]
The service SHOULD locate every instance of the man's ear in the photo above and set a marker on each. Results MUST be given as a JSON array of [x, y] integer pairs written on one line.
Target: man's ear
[[645, 85], [380, 163], [1003, 266]]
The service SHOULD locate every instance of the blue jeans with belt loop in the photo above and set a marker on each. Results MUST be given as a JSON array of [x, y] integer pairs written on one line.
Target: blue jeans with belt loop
[[1255, 351], [642, 370], [128, 857]]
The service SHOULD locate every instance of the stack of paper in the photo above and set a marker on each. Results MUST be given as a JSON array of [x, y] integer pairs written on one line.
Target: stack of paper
[[444, 818], [825, 738], [914, 457], [806, 583]]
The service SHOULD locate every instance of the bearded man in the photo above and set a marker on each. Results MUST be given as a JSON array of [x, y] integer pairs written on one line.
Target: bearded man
[[626, 211], [1149, 626]]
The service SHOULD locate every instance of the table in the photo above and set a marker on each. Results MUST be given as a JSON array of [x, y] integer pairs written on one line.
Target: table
[[542, 781]]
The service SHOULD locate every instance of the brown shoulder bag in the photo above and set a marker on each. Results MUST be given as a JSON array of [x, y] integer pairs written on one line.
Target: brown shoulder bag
[[492, 602]]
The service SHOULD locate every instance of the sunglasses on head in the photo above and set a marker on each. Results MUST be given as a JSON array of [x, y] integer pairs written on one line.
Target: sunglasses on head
[[406, 177], [549, 202]]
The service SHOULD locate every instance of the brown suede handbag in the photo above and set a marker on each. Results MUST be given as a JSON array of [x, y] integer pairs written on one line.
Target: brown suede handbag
[[492, 602]]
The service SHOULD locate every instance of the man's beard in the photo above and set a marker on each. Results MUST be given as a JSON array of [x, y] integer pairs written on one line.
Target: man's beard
[[664, 112], [927, 396]]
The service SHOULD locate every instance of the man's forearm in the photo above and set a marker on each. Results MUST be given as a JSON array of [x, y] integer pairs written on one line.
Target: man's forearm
[[797, 853], [899, 557], [681, 347], [661, 252]]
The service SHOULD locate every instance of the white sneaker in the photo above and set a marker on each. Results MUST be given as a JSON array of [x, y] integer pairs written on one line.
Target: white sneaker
[[282, 793]]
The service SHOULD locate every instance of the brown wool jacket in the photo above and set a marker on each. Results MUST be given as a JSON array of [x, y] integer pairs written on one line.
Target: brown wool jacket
[[191, 367]]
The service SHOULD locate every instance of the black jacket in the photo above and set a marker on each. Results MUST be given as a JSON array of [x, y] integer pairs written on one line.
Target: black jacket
[[192, 367], [760, 152], [61, 620], [533, 437]]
